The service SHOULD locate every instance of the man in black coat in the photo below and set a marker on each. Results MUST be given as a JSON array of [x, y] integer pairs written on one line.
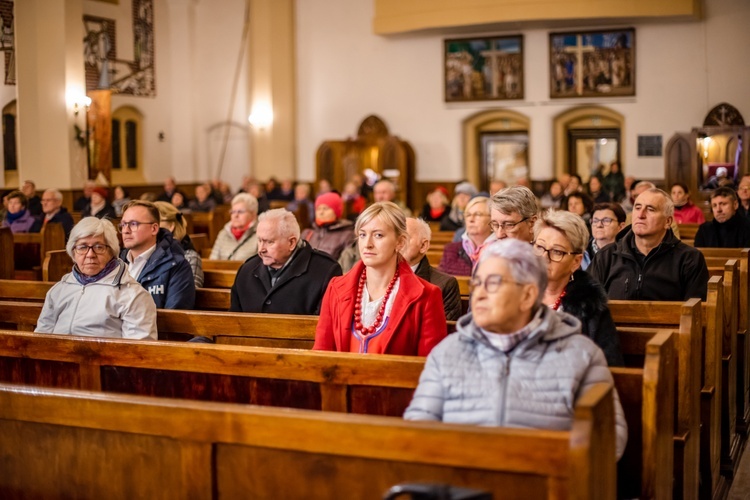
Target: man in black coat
[[287, 276], [729, 229], [649, 262], [415, 252], [53, 211]]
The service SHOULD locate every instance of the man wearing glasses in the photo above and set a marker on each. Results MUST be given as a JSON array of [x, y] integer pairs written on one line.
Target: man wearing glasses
[[513, 213], [54, 212], [513, 362], [154, 258], [650, 262]]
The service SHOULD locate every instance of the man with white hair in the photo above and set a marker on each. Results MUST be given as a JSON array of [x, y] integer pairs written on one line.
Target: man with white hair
[[287, 276], [649, 262], [54, 212], [385, 190], [415, 253]]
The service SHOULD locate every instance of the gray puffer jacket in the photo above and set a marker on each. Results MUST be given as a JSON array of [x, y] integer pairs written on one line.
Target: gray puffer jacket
[[467, 380]]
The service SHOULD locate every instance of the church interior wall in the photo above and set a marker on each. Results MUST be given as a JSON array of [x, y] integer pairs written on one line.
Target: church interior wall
[[345, 72]]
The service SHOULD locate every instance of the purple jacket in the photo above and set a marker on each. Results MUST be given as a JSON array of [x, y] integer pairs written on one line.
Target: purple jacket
[[22, 224], [455, 261]]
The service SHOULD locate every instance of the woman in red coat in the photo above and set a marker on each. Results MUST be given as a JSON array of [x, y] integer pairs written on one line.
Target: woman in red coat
[[381, 306]]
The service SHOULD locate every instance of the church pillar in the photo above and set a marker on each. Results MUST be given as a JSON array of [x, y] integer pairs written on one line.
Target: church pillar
[[184, 135], [272, 59], [50, 80]]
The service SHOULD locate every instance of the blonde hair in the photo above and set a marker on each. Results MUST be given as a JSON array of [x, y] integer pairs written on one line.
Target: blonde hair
[[168, 213], [572, 226], [388, 212]]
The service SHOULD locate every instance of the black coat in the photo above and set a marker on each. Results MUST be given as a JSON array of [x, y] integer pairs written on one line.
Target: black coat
[[63, 217], [447, 284], [299, 289], [586, 299], [673, 271], [734, 233]]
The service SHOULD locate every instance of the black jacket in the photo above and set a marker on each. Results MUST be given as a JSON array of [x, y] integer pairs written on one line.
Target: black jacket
[[672, 271], [299, 289], [586, 300], [447, 284], [63, 217], [734, 233]]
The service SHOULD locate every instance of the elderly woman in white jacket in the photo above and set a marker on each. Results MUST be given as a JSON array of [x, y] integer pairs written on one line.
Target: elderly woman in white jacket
[[513, 362], [98, 298]]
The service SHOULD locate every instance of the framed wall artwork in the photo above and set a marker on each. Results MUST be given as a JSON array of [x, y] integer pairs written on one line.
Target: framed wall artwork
[[592, 63], [484, 68]]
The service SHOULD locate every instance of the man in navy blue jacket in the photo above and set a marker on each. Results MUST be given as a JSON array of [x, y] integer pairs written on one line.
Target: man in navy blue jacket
[[154, 258]]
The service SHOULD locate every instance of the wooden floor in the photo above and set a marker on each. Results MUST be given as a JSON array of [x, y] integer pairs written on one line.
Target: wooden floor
[[740, 489]]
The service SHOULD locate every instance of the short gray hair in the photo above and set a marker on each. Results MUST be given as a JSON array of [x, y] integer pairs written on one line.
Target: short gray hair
[[56, 194], [524, 266], [423, 227], [515, 199], [250, 202], [572, 226], [283, 220], [93, 227], [668, 203]]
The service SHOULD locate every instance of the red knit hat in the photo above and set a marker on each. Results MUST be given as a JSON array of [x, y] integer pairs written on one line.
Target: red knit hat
[[101, 191], [331, 200]]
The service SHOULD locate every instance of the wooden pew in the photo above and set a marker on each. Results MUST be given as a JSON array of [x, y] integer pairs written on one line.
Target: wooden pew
[[213, 278], [378, 385], [200, 242], [202, 450], [688, 232], [7, 259], [206, 299], [743, 340], [210, 223], [686, 319], [222, 265], [31, 248], [57, 264]]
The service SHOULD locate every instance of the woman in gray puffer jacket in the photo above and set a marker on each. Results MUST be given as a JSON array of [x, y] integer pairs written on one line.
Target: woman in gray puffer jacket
[[513, 362]]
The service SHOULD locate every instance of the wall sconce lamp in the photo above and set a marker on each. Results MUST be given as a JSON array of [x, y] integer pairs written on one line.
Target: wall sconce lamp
[[261, 116], [83, 101]]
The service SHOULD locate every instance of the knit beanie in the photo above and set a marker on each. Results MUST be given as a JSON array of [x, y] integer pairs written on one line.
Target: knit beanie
[[331, 200]]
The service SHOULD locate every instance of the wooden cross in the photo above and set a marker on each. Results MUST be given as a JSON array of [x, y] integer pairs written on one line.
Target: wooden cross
[[578, 50]]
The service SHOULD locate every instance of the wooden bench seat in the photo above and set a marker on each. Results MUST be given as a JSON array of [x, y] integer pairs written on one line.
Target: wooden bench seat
[[743, 341], [377, 385], [206, 299], [202, 450], [7, 253], [685, 318], [31, 248]]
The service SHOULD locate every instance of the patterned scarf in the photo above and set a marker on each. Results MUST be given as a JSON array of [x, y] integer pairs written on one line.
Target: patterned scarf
[[85, 280], [473, 251]]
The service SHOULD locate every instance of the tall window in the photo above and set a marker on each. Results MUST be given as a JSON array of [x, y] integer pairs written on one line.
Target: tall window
[[127, 146]]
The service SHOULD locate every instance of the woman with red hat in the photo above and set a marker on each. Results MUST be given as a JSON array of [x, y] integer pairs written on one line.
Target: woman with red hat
[[331, 233], [99, 207], [381, 306]]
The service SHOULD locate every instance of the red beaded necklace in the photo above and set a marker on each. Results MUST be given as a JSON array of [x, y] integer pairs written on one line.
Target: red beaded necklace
[[557, 303], [367, 330]]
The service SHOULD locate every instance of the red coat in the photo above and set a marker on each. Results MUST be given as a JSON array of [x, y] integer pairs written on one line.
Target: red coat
[[417, 322]]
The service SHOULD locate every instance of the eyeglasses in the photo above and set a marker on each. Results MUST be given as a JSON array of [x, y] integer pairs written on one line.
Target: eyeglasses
[[741, 188], [606, 221], [491, 283], [507, 226], [45, 200], [237, 212], [133, 225], [475, 214], [554, 254], [98, 249]]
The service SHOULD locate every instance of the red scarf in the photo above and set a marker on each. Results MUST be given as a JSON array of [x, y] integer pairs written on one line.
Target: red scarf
[[237, 232]]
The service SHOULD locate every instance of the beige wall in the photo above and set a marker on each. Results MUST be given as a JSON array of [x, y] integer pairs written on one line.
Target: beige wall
[[345, 72]]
